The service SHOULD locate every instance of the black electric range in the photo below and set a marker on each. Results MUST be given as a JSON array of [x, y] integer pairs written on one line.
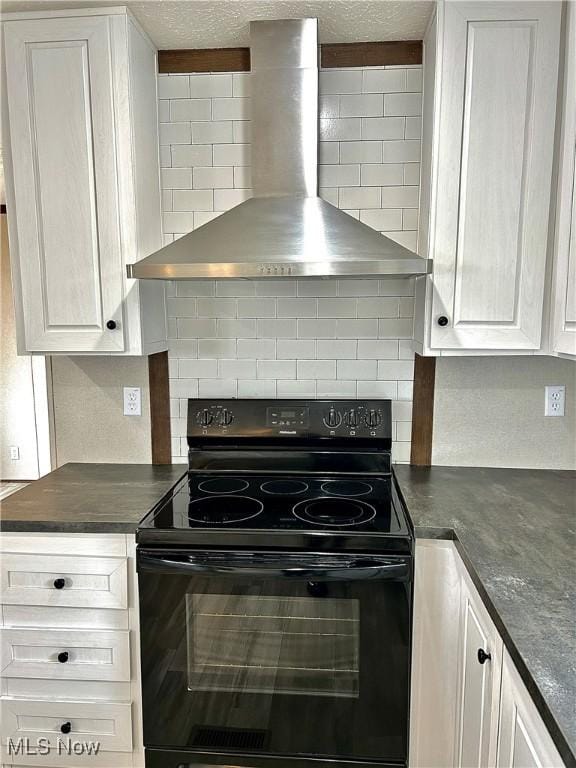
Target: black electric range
[[275, 592]]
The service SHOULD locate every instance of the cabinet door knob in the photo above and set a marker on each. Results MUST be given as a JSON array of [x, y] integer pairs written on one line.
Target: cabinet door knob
[[59, 583], [483, 656], [111, 325], [66, 727], [442, 321], [63, 657]]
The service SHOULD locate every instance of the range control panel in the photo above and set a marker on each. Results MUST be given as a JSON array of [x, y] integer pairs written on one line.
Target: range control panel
[[316, 419]]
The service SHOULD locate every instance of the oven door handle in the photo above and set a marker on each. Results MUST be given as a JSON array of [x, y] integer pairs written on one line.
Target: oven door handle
[[357, 568]]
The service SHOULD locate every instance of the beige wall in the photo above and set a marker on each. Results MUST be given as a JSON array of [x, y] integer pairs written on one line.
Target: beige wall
[[88, 410], [489, 411], [17, 412]]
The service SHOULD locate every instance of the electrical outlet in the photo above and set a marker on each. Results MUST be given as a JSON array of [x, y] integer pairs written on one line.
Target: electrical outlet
[[14, 453], [132, 401], [554, 400]]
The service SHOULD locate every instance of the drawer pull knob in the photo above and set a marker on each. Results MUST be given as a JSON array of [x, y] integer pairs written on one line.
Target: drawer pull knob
[[63, 657], [66, 727], [442, 321], [111, 325], [59, 583], [483, 656]]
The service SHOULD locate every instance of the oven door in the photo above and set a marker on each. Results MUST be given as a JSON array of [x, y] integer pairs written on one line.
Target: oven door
[[298, 655]]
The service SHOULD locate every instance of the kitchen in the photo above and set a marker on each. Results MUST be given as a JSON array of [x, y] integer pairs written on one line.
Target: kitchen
[[244, 247]]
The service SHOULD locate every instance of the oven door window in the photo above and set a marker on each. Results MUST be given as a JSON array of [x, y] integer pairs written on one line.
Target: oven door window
[[269, 665], [273, 645]]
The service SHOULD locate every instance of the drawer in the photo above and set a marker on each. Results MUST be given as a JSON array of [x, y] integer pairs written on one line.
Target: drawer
[[105, 725], [63, 760], [56, 580], [65, 654]]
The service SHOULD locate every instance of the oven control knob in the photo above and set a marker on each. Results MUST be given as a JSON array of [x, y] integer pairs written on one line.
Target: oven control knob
[[204, 418], [333, 418], [351, 418], [226, 418], [373, 419]]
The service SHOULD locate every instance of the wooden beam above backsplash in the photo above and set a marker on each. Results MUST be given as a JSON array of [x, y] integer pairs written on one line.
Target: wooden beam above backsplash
[[394, 52]]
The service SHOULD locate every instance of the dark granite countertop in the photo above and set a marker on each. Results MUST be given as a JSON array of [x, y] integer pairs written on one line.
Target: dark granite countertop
[[516, 532], [89, 498]]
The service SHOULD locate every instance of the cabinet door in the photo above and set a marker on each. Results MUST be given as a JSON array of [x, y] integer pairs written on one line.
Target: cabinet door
[[479, 685], [523, 741], [493, 168], [61, 119], [564, 292]]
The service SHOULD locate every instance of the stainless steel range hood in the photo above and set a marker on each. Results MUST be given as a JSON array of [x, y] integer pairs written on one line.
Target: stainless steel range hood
[[285, 230]]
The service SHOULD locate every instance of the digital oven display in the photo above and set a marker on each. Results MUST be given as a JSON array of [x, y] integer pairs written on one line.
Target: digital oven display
[[296, 418]]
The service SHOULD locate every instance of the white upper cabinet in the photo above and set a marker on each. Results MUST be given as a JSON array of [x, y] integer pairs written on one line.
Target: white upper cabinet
[[491, 73], [563, 324], [82, 181]]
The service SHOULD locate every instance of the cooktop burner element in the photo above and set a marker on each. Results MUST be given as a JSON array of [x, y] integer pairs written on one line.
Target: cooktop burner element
[[223, 485], [334, 511], [224, 510], [346, 488], [284, 487]]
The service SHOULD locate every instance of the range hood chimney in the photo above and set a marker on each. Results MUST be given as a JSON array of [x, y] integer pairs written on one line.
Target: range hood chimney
[[285, 230]]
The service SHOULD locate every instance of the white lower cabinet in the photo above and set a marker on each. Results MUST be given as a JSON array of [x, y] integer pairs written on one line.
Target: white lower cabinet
[[70, 668], [470, 708], [523, 740]]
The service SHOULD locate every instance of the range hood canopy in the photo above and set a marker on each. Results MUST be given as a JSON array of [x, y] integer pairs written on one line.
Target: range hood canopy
[[285, 230]]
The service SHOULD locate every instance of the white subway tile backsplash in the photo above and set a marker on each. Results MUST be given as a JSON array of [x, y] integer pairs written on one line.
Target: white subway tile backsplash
[[339, 175], [382, 174], [340, 128], [209, 307], [316, 369], [190, 109], [213, 178], [357, 329], [295, 389], [231, 109], [257, 349], [336, 348], [174, 87], [190, 155], [357, 151], [197, 369], [260, 308], [276, 329], [359, 197], [276, 369], [296, 349], [217, 348], [210, 86], [340, 81], [362, 105], [382, 219], [293, 338], [383, 128], [237, 369], [297, 308], [405, 104], [217, 388], [336, 307], [175, 133], [335, 388], [214, 132], [383, 80], [244, 328], [357, 369], [256, 388]]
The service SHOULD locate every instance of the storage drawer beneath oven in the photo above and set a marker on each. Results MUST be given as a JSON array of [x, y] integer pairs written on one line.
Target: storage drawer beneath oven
[[56, 580], [65, 654], [103, 723]]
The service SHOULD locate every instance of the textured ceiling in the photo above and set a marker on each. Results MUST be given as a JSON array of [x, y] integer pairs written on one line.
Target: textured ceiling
[[224, 23]]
